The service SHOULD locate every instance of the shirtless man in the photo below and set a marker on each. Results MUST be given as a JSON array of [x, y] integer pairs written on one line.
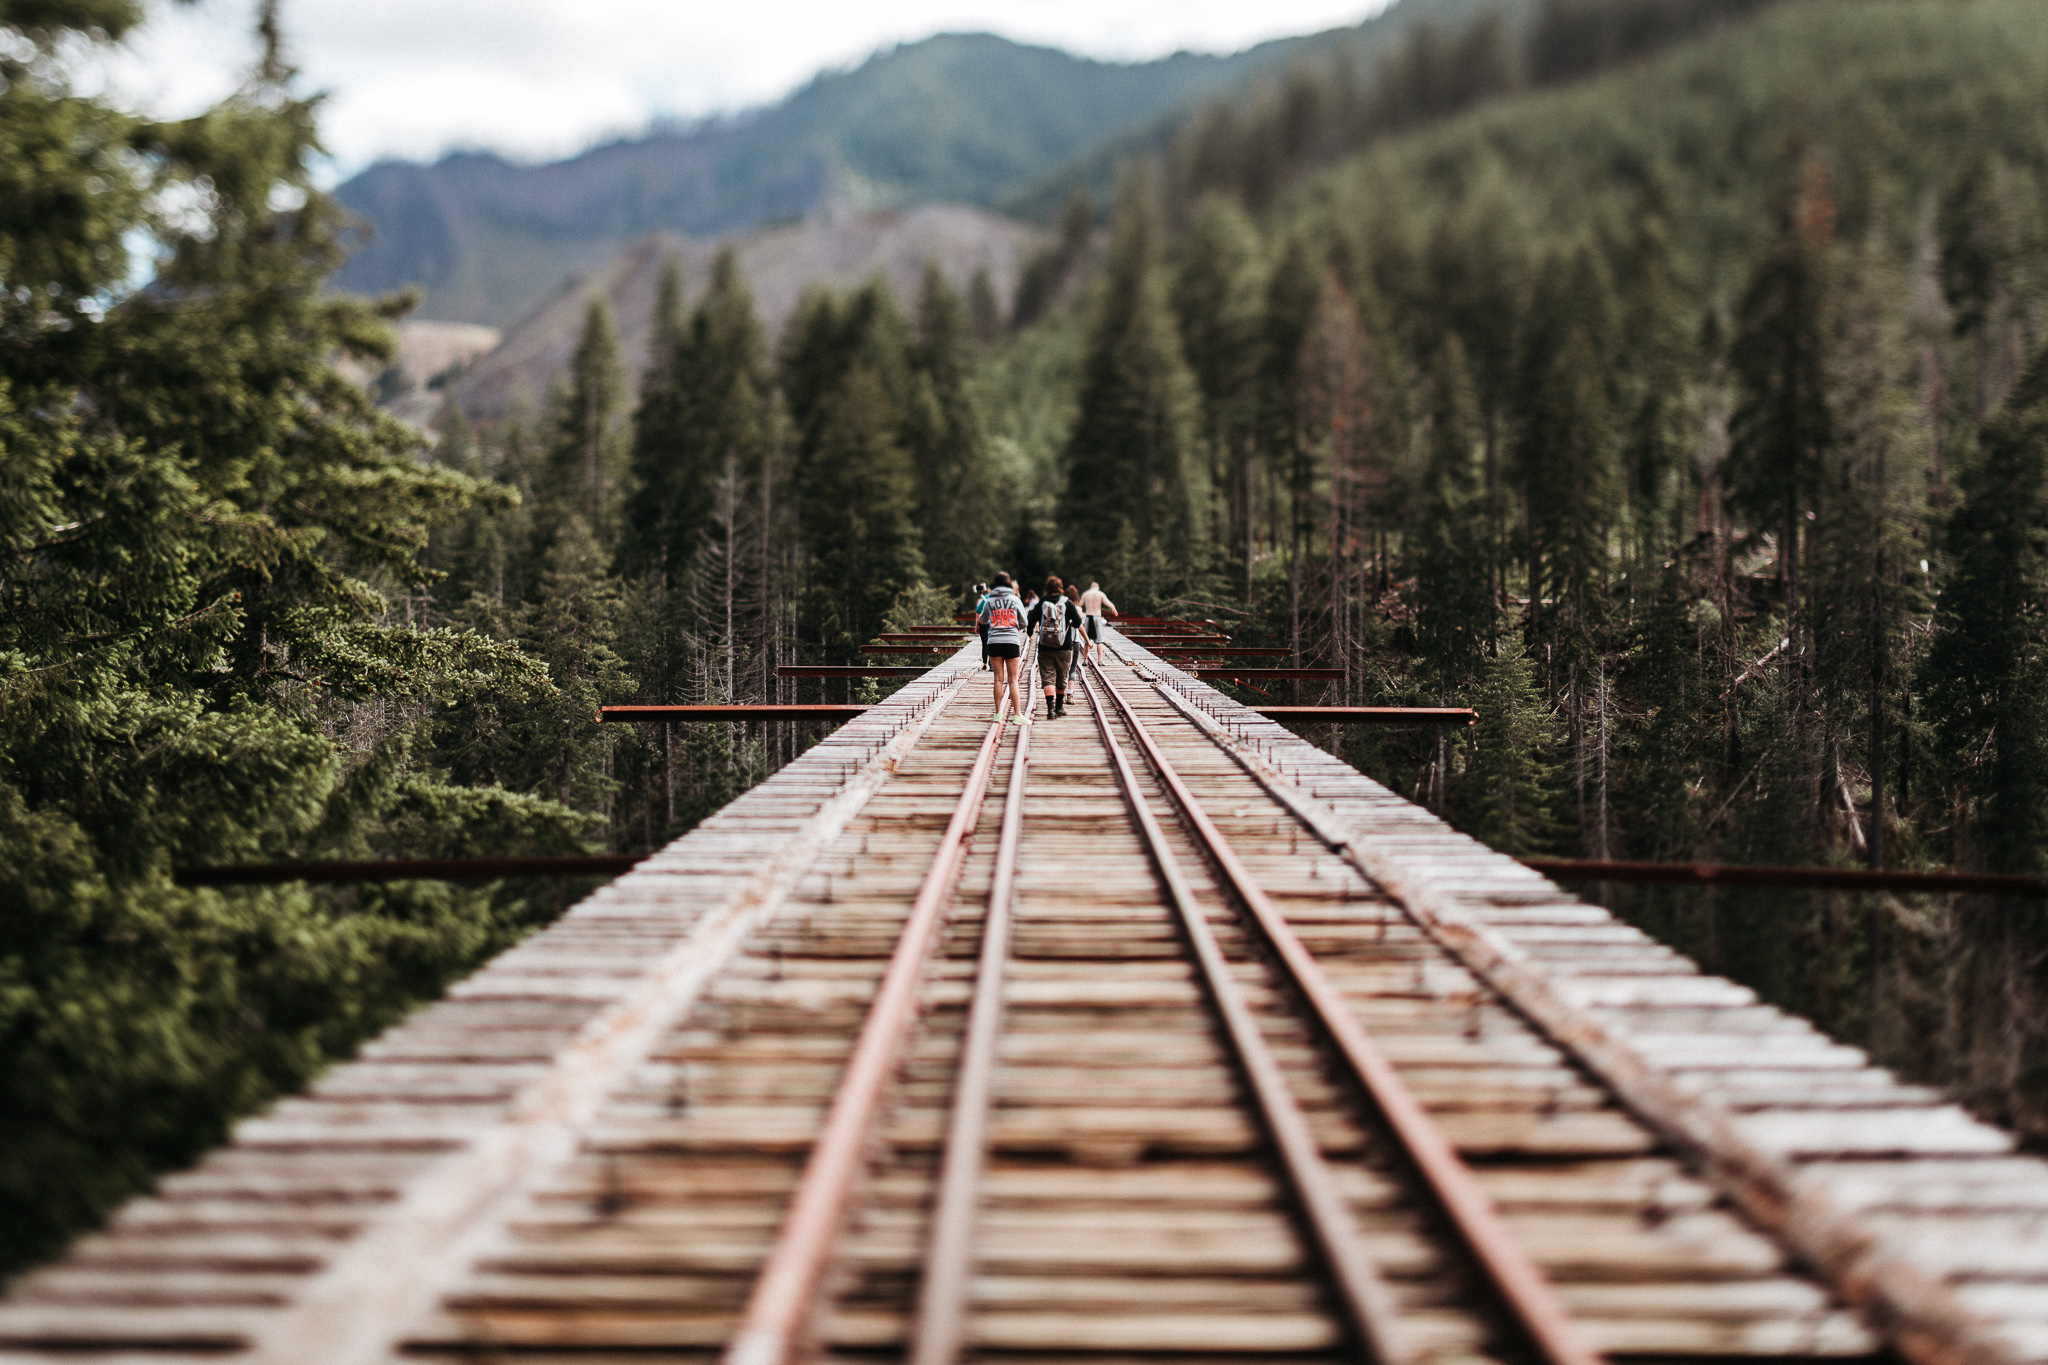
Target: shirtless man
[[1093, 603]]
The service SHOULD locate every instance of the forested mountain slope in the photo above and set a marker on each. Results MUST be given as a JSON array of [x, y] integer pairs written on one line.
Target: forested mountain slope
[[1690, 421], [966, 118], [960, 117]]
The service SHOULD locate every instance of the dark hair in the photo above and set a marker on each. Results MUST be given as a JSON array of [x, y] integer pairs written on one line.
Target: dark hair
[[1002, 580], [1053, 586], [1073, 592]]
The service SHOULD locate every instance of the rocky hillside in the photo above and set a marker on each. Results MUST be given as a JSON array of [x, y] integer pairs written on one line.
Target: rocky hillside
[[780, 264]]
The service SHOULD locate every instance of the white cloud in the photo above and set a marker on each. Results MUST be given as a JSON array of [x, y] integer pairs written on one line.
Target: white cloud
[[543, 78]]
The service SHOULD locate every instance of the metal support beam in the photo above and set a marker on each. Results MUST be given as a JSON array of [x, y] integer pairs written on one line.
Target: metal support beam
[[1269, 674], [727, 713], [1372, 715], [850, 671], [1798, 878], [400, 870]]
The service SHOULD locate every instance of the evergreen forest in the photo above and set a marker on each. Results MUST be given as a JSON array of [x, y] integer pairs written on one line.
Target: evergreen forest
[[1665, 379]]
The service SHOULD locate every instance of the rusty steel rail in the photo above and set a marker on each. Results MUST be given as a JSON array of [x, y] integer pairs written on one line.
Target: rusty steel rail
[[1211, 651], [1519, 1286], [941, 1315], [1369, 1305], [781, 1305], [1798, 878], [405, 869]]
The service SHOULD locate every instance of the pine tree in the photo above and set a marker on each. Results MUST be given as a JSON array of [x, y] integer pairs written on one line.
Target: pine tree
[[984, 309], [1564, 447], [582, 474], [1046, 274], [1664, 757], [1449, 548], [572, 625], [1477, 263], [660, 432], [1293, 290], [1655, 426], [1134, 503], [1873, 488], [858, 510], [1781, 426], [705, 407], [1345, 490], [1978, 251], [1986, 676], [1216, 299], [211, 544], [1507, 794], [960, 501]]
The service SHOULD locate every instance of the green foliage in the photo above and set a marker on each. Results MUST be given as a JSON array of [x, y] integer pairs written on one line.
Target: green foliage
[[1449, 546], [1507, 795], [1135, 498], [857, 507], [1987, 672], [1781, 426], [211, 546], [582, 471], [962, 500]]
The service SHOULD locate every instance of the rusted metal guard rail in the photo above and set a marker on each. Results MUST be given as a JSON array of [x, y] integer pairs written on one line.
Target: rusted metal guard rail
[[1796, 878], [1263, 674], [1371, 715], [850, 671], [1369, 1305], [805, 711], [780, 1308], [405, 869], [1520, 1287]]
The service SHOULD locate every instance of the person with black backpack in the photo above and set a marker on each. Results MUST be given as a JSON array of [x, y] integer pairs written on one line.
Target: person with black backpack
[[1057, 623]]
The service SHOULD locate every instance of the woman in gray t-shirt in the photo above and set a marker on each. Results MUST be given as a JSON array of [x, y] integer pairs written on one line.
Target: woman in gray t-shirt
[[1001, 619]]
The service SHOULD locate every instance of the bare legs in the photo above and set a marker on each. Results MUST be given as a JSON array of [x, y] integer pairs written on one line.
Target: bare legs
[[1009, 673]]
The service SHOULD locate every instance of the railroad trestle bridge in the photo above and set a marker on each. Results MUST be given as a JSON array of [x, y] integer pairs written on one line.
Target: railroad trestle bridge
[[1152, 1033]]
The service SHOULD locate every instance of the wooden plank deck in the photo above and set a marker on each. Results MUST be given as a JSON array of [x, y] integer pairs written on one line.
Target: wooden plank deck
[[582, 1153]]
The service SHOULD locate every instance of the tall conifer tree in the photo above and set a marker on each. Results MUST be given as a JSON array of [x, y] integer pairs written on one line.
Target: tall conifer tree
[[1134, 500], [1216, 298], [583, 471], [1781, 426], [961, 508]]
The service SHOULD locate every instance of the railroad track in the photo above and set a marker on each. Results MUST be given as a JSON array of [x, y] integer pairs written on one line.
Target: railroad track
[[1092, 1041]]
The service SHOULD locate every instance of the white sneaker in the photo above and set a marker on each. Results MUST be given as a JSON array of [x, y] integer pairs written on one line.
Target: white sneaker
[[995, 715]]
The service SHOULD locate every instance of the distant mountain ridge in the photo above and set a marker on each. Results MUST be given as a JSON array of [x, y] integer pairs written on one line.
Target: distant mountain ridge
[[958, 117]]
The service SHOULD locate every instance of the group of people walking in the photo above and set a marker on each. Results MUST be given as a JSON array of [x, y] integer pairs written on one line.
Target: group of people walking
[[1066, 622]]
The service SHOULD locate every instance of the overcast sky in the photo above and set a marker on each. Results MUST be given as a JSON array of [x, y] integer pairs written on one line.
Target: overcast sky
[[543, 78]]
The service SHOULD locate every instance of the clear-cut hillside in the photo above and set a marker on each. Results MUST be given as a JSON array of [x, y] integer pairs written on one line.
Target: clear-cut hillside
[[780, 264]]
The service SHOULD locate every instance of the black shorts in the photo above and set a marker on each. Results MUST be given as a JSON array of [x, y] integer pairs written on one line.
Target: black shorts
[[1095, 628], [1005, 651]]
